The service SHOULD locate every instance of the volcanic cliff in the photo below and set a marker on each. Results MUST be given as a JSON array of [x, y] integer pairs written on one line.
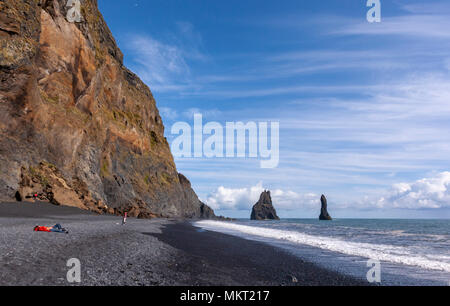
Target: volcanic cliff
[[76, 127]]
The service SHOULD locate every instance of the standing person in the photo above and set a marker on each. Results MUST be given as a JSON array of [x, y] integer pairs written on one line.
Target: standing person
[[124, 220]]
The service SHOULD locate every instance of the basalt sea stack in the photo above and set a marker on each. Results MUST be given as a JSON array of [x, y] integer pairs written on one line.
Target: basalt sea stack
[[264, 210], [77, 128], [324, 212]]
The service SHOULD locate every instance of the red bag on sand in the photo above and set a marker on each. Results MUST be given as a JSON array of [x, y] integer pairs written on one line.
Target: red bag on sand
[[42, 229]]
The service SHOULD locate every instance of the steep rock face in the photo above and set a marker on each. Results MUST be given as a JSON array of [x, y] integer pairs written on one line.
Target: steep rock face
[[76, 126], [324, 211], [263, 209]]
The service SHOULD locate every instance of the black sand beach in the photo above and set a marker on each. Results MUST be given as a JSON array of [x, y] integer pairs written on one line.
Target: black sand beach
[[144, 252], [218, 259]]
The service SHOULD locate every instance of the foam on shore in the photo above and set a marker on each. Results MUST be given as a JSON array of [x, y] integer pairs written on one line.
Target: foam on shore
[[381, 252]]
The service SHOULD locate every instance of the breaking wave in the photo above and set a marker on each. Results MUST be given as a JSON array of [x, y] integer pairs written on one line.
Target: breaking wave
[[381, 252]]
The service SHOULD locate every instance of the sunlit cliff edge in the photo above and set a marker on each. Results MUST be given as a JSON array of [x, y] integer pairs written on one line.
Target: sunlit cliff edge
[[76, 126]]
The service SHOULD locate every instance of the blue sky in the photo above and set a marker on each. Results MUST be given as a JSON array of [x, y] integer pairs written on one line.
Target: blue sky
[[363, 107]]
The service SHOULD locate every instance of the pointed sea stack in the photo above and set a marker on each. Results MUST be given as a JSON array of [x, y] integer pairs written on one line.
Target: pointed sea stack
[[264, 210], [324, 212]]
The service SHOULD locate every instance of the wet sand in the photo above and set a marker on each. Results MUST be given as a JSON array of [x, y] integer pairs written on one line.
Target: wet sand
[[220, 259]]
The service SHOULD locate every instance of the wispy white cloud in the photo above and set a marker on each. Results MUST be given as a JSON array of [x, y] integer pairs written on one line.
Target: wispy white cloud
[[188, 114], [413, 25], [447, 63], [190, 41], [164, 63], [159, 64], [169, 113], [428, 7], [206, 113]]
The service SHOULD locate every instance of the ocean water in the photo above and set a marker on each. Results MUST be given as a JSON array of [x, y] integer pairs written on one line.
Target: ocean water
[[410, 252]]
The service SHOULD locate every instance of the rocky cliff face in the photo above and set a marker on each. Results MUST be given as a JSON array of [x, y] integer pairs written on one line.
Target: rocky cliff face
[[324, 215], [76, 127], [263, 209]]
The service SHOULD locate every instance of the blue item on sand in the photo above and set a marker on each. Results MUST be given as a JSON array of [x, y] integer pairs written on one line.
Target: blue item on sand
[[59, 229]]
